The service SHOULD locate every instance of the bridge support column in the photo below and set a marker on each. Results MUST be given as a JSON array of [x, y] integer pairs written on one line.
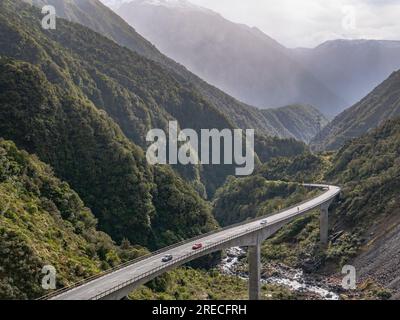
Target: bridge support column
[[323, 225], [254, 272]]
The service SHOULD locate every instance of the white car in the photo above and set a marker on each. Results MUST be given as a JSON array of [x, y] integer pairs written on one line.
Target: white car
[[264, 222]]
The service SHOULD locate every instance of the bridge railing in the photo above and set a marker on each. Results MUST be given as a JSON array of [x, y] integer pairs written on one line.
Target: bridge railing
[[165, 249]]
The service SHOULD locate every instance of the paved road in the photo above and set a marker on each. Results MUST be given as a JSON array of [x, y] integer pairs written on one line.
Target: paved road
[[109, 281]]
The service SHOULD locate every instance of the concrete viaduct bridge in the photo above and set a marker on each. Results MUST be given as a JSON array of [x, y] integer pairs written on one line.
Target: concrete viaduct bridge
[[117, 283]]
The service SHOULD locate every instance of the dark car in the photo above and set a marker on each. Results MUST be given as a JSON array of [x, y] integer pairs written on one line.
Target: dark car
[[197, 246], [167, 258]]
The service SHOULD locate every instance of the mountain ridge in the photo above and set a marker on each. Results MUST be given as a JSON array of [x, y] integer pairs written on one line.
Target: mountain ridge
[[381, 104]]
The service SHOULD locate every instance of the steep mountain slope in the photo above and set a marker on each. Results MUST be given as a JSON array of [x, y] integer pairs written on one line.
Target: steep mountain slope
[[96, 16], [381, 104], [351, 67], [43, 108], [368, 168], [44, 222], [242, 61]]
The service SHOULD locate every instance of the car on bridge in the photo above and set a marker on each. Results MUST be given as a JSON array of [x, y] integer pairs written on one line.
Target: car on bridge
[[167, 258], [197, 246], [264, 222]]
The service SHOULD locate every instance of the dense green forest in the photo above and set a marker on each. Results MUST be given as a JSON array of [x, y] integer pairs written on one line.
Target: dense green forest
[[135, 92], [88, 150], [303, 122], [43, 221], [243, 198]]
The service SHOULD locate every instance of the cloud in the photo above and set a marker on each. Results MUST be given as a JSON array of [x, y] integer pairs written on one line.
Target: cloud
[[307, 23]]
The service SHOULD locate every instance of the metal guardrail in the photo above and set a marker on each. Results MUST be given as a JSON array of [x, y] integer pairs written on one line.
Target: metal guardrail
[[165, 249]]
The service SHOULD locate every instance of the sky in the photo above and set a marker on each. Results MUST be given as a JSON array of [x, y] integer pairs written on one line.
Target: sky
[[308, 23]]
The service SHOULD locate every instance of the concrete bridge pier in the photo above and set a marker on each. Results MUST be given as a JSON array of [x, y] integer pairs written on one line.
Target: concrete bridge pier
[[324, 224], [254, 257]]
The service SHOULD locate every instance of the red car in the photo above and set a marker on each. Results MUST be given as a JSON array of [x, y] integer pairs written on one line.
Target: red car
[[197, 246]]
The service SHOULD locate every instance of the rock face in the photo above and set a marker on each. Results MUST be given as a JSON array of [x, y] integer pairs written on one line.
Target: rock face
[[381, 259]]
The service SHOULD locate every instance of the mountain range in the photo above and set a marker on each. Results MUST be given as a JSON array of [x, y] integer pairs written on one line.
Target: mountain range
[[93, 14], [256, 69], [240, 60]]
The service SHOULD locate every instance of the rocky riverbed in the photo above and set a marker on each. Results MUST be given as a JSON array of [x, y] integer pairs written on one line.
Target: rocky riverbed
[[295, 280]]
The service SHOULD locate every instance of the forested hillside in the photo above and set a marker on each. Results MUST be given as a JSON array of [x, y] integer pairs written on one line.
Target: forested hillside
[[381, 104], [255, 196], [44, 222], [80, 105], [89, 151]]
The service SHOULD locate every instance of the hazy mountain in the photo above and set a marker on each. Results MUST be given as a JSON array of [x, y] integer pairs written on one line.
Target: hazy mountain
[[240, 60], [381, 104], [351, 68], [98, 17]]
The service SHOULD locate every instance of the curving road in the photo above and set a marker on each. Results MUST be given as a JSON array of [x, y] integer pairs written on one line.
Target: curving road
[[115, 284]]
